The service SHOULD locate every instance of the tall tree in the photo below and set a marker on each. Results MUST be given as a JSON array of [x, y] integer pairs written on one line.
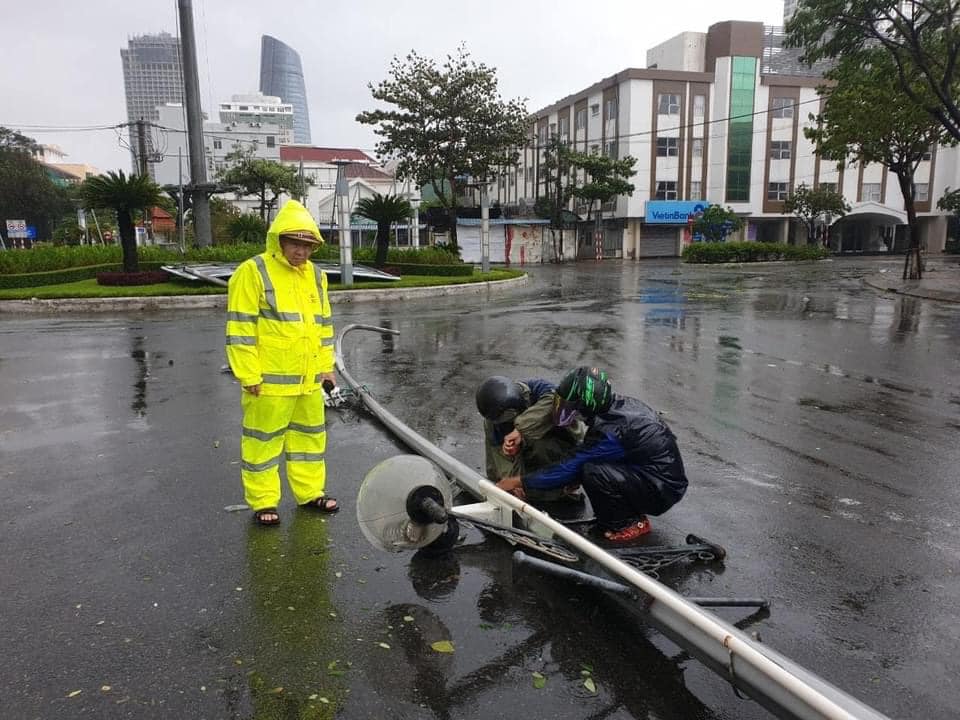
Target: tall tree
[[266, 179], [606, 178], [716, 223], [126, 195], [384, 210], [867, 118], [921, 38], [26, 191], [814, 206], [446, 124], [560, 179]]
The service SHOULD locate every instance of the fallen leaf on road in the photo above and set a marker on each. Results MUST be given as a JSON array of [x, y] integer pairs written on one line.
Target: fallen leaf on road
[[539, 681], [442, 646], [74, 693]]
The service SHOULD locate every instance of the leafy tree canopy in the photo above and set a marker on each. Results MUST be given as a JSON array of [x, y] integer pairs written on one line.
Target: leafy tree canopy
[[811, 205], [716, 223], [445, 123], [266, 179], [920, 39]]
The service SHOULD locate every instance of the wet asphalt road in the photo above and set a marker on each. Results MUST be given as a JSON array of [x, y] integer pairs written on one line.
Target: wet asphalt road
[[819, 424]]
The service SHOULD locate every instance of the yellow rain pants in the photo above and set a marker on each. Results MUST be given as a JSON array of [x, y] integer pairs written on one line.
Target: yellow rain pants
[[288, 427]]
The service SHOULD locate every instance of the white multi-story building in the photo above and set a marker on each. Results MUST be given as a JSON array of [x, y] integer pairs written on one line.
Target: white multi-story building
[[256, 108], [219, 140], [729, 132]]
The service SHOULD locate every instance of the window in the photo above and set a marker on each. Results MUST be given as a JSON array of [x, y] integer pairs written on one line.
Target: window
[[699, 106], [666, 190], [780, 150], [271, 141], [217, 145], [594, 149], [777, 191], [580, 121], [926, 156], [696, 148], [610, 149], [668, 147], [553, 128], [695, 190], [542, 134], [782, 107], [529, 174], [611, 109], [563, 126], [595, 110], [502, 182], [921, 192], [669, 104], [828, 187], [871, 192]]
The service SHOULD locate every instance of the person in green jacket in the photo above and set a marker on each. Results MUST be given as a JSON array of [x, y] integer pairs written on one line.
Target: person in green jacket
[[520, 435]]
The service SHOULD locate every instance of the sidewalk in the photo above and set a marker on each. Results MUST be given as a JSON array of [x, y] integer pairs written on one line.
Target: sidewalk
[[941, 280]]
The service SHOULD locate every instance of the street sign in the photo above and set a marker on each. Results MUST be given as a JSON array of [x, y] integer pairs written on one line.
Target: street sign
[[31, 232], [16, 228]]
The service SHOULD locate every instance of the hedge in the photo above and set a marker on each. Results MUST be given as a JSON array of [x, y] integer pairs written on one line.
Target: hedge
[[743, 252], [58, 277]]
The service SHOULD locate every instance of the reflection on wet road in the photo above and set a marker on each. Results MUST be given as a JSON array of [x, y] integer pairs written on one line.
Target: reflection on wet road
[[818, 421]]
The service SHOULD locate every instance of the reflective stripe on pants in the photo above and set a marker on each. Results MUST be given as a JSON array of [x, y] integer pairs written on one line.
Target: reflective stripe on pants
[[275, 428]]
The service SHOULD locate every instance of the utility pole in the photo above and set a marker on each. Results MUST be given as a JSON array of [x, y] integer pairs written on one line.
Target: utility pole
[[183, 244], [142, 147], [191, 87]]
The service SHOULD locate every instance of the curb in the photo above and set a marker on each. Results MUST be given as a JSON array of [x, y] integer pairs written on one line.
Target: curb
[[926, 294], [206, 302]]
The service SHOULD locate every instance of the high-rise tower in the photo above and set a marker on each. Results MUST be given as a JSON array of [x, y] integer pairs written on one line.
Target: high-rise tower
[[281, 74], [151, 77]]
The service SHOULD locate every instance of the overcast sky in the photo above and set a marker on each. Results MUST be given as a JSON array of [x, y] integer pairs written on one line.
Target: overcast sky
[[61, 59]]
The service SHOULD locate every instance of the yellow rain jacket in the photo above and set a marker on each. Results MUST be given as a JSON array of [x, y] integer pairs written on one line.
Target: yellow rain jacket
[[279, 332]]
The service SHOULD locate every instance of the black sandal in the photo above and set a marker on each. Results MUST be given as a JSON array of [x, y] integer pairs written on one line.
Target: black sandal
[[258, 516], [320, 505]]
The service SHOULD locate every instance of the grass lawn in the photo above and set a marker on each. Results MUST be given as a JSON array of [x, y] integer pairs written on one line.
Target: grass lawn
[[90, 289]]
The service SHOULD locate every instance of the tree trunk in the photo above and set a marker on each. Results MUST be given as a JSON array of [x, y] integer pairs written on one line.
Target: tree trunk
[[912, 268], [383, 244], [263, 204], [452, 220], [128, 241]]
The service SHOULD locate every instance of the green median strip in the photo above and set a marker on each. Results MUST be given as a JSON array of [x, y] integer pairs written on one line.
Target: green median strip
[[90, 288]]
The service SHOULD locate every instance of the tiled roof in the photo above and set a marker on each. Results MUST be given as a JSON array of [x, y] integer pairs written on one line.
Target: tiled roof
[[358, 170], [295, 153]]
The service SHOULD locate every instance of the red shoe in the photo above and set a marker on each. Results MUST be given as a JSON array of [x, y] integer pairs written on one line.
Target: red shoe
[[629, 534]]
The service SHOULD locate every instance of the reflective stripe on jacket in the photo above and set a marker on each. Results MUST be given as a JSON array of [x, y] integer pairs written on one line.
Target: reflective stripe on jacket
[[279, 331]]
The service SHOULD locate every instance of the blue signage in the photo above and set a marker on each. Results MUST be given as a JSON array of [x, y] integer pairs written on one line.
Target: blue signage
[[31, 232], [673, 212]]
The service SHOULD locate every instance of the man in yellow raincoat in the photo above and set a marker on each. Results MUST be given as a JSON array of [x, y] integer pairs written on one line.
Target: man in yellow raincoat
[[280, 348]]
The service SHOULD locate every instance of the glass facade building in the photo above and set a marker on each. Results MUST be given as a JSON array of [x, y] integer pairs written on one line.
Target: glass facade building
[[281, 74], [740, 136]]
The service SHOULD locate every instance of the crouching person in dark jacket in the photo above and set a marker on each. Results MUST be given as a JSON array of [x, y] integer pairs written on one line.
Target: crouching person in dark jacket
[[629, 463]]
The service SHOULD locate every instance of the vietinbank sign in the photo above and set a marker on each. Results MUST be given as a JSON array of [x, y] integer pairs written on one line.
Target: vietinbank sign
[[673, 212]]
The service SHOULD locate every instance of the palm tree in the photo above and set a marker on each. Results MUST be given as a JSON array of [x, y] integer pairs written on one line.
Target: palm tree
[[384, 210], [124, 195]]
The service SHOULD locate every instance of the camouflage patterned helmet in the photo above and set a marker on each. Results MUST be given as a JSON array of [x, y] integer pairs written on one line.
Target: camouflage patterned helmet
[[586, 391]]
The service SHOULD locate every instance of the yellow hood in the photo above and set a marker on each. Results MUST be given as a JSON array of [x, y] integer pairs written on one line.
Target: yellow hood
[[292, 217]]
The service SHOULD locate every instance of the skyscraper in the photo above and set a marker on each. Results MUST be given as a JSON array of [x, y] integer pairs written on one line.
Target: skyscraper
[[281, 74], [151, 77]]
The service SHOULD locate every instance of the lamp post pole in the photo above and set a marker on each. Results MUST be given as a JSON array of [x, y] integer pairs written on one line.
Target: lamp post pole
[[484, 228], [346, 245]]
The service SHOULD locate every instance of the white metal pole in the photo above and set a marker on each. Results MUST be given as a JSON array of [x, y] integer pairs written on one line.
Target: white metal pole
[[416, 225], [346, 245], [183, 245], [484, 229]]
